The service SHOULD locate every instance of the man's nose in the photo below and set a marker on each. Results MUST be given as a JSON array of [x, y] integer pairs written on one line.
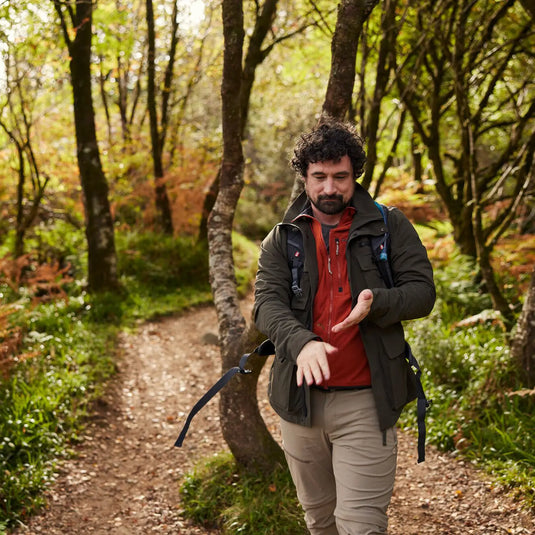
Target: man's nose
[[329, 187]]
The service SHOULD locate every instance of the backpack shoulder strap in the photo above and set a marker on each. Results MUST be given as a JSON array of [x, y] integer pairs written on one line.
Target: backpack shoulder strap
[[296, 258], [422, 403], [381, 249]]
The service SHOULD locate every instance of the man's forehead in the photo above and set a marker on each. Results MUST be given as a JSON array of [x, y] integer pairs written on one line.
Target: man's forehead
[[343, 163], [331, 160]]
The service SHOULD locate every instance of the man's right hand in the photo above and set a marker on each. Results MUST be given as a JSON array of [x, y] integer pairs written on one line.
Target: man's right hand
[[312, 364]]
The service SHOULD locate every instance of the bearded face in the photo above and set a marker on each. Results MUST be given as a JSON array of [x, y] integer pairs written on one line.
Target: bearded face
[[330, 186]]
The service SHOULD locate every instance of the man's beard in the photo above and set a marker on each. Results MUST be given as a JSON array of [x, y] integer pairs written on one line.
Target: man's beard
[[330, 204]]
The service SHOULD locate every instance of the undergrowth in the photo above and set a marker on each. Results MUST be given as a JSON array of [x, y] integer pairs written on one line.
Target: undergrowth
[[60, 353], [43, 400], [57, 350], [480, 408], [217, 494]]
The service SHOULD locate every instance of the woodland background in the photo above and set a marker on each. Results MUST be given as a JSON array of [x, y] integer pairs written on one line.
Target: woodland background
[[119, 122]]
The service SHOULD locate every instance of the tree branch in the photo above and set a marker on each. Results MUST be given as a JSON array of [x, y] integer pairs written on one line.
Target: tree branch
[[63, 23]]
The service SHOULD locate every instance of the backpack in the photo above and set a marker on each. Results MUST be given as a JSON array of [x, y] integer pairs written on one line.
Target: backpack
[[380, 246]]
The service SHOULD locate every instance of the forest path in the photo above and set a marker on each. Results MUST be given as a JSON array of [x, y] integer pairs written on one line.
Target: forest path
[[125, 476]]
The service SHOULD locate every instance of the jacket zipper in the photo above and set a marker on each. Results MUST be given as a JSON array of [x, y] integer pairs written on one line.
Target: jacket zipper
[[339, 287], [331, 297]]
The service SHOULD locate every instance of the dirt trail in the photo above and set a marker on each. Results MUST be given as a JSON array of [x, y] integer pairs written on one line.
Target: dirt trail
[[124, 479]]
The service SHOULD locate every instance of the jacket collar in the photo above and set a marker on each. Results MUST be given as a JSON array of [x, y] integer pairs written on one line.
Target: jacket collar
[[362, 201]]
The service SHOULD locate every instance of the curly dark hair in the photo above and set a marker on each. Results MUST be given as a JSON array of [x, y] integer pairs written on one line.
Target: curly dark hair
[[330, 140]]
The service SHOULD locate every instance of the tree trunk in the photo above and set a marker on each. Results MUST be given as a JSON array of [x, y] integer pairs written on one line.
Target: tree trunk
[[102, 86], [20, 230], [386, 49], [168, 77], [489, 277], [417, 163], [337, 103], [208, 204], [242, 424], [122, 100], [254, 57], [19, 114], [351, 17], [390, 158], [529, 6], [102, 259], [163, 207], [523, 343]]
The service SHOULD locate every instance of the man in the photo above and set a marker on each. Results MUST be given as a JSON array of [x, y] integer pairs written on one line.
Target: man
[[340, 378]]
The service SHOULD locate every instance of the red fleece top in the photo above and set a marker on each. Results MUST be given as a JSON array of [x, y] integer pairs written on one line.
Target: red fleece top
[[332, 304]]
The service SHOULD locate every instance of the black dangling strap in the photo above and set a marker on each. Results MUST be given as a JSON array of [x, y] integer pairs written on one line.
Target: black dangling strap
[[206, 398], [264, 349], [422, 406], [422, 403]]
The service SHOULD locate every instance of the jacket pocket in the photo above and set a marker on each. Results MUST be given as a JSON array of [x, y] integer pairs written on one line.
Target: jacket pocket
[[399, 380], [367, 264], [283, 392]]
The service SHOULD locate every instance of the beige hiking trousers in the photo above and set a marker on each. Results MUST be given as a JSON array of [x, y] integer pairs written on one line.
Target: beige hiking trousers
[[343, 466]]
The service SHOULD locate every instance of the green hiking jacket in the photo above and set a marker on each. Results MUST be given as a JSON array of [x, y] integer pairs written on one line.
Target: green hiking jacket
[[286, 318]]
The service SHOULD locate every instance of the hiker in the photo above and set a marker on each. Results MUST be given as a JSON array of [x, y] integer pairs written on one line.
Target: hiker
[[340, 376]]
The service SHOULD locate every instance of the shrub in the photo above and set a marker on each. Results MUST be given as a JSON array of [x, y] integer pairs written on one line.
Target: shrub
[[472, 382]]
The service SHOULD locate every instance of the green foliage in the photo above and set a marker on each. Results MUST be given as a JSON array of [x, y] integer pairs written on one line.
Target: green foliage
[[162, 262], [219, 495], [56, 243], [245, 255], [44, 399], [60, 242], [160, 275], [460, 293], [253, 222], [471, 380], [468, 372], [69, 347]]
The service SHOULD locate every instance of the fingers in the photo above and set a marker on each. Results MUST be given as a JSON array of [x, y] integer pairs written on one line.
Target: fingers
[[313, 372], [343, 325], [312, 364], [365, 296], [359, 312]]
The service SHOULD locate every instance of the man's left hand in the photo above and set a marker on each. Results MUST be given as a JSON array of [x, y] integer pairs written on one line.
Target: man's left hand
[[359, 312]]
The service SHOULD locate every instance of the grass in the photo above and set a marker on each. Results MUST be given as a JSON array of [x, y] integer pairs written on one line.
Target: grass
[[246, 261], [469, 376], [218, 495], [161, 274], [44, 400], [70, 344]]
